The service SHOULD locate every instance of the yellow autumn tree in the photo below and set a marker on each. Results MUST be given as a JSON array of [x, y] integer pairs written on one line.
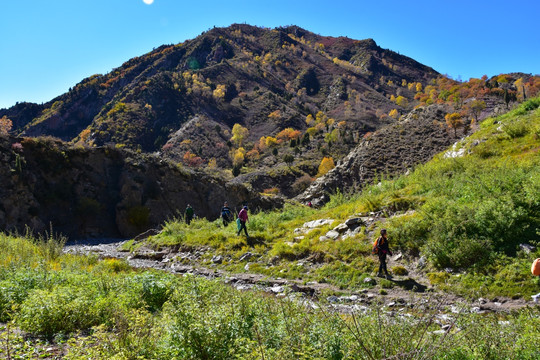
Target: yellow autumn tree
[[393, 113], [276, 115], [271, 141], [239, 155], [327, 164], [309, 120], [454, 121], [240, 133], [402, 101], [219, 92], [321, 117], [212, 163], [5, 125]]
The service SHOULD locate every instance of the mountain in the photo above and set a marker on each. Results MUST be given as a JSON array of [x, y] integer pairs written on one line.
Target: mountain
[[263, 105], [187, 97]]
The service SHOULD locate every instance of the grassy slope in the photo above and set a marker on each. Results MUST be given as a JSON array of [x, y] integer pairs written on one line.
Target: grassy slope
[[127, 314], [466, 214]]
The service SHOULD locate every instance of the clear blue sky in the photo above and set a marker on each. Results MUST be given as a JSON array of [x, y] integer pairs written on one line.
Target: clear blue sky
[[47, 46]]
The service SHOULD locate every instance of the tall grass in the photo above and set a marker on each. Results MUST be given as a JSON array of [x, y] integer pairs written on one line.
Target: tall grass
[[143, 314]]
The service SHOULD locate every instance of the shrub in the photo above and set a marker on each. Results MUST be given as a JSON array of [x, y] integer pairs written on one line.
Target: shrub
[[516, 130], [156, 289], [62, 310], [399, 270]]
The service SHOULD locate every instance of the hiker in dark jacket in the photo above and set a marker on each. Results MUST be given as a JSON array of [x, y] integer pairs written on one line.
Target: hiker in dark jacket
[[226, 214], [382, 250], [189, 214], [243, 217]]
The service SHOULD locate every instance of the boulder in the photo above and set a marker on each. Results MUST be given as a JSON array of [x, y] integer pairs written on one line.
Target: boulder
[[353, 223], [341, 228], [332, 234]]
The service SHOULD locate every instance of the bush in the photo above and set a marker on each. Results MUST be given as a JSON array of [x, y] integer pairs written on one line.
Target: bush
[[399, 270], [516, 130], [62, 310], [156, 289]]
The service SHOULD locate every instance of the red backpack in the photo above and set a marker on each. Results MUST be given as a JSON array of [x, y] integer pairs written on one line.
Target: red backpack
[[375, 249], [535, 267]]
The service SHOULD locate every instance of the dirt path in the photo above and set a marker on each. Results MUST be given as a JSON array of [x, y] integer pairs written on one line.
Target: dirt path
[[410, 291]]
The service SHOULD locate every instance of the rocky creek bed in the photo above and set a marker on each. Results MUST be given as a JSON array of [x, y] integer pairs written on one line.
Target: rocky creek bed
[[409, 294]]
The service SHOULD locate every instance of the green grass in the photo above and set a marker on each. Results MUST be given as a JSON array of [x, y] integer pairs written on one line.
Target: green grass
[[462, 213], [78, 307]]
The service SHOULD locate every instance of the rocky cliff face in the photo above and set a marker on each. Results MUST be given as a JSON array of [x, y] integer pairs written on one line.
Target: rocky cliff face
[[390, 151], [101, 192]]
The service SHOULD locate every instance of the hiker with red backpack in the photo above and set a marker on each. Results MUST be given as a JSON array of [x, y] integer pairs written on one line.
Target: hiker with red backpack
[[243, 218], [381, 248]]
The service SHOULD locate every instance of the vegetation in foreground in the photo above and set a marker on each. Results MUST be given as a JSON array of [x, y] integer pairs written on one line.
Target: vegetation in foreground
[[77, 307], [467, 211]]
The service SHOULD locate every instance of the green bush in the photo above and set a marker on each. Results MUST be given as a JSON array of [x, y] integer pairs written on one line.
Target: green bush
[[156, 289], [62, 310], [399, 270]]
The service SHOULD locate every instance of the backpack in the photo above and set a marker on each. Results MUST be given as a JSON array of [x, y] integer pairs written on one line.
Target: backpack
[[535, 267], [375, 249]]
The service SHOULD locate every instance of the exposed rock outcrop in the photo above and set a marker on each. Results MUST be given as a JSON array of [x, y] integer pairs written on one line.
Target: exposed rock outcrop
[[391, 150], [102, 192]]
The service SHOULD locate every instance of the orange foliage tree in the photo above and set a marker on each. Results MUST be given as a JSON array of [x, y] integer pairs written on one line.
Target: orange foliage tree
[[190, 159], [288, 134]]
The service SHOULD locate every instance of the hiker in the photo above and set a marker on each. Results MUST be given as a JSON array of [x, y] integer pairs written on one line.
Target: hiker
[[535, 270], [382, 248], [243, 218], [226, 214], [189, 214]]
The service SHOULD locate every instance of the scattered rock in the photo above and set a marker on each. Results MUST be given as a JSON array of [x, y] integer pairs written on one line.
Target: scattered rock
[[369, 280], [217, 259], [246, 267], [421, 262], [527, 248], [341, 228], [332, 234], [277, 289], [332, 299], [317, 223], [397, 257], [354, 223], [246, 257]]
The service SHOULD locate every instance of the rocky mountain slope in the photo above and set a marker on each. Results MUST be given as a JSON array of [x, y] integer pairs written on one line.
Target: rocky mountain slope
[[187, 97], [389, 151], [102, 191]]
